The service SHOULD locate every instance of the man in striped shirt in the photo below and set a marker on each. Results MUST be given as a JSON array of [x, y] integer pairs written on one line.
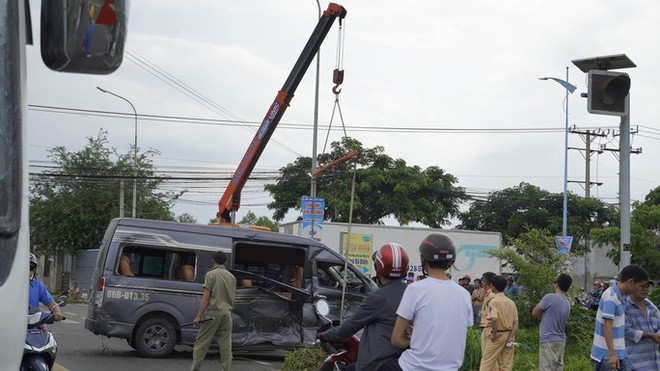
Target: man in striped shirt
[[609, 348], [642, 331]]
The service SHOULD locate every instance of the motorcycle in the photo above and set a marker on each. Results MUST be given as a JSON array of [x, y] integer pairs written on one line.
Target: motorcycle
[[341, 353], [40, 345]]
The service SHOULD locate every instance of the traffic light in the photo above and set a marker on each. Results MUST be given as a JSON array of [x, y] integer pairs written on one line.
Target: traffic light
[[608, 93]]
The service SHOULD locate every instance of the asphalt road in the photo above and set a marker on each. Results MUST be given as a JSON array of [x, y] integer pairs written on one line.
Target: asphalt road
[[80, 350]]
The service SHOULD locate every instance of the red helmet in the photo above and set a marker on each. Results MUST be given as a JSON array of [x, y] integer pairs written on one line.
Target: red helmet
[[391, 260]]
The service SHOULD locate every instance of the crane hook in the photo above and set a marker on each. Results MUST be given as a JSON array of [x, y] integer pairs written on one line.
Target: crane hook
[[338, 79]]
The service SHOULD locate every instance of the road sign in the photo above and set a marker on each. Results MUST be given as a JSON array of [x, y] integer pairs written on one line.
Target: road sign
[[563, 244], [318, 207]]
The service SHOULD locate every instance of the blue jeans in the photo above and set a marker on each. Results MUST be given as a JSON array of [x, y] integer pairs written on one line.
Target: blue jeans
[[604, 366]]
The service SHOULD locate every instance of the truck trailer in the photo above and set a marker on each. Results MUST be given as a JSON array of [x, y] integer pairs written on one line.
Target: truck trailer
[[472, 247]]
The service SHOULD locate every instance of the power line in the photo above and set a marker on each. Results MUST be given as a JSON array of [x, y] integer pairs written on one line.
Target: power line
[[356, 128]]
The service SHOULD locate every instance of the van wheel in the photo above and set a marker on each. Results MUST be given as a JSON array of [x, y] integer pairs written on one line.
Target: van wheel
[[155, 338]]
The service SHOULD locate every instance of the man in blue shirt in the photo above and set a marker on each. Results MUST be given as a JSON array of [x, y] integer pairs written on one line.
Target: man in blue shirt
[[609, 348], [511, 289], [39, 293], [642, 330], [553, 310]]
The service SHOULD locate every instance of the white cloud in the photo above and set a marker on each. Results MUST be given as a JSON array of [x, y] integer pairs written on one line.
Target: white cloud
[[435, 64]]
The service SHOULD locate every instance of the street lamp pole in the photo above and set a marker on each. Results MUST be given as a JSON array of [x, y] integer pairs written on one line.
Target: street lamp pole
[[570, 88], [135, 166], [312, 190]]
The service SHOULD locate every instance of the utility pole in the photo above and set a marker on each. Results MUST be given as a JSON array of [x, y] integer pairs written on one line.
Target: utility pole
[[121, 199], [588, 137], [624, 187], [615, 151]]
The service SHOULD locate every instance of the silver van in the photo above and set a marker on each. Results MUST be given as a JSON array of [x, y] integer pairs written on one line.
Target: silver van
[[149, 277]]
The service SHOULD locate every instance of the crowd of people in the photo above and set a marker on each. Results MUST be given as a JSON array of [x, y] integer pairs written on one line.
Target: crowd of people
[[423, 325]]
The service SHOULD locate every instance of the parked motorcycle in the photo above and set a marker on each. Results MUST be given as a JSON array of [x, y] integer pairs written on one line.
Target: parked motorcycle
[[40, 345], [341, 353]]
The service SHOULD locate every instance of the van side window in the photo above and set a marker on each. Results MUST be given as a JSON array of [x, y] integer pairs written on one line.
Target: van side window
[[280, 263], [332, 275], [138, 261]]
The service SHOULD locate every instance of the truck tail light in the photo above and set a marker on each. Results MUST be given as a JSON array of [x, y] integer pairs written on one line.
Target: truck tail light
[[98, 296], [100, 285]]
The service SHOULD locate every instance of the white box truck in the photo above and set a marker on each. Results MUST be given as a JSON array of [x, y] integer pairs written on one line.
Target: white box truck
[[471, 246]]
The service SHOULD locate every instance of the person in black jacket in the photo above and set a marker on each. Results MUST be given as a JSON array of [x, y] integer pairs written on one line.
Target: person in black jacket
[[377, 312]]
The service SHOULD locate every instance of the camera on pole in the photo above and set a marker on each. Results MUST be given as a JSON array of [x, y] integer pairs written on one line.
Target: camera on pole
[[608, 92]]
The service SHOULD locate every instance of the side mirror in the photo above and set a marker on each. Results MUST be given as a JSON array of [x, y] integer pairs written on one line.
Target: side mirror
[[322, 307], [62, 300], [83, 36]]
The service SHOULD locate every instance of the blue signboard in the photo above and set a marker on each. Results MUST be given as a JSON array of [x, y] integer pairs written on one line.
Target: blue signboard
[[563, 244], [319, 209]]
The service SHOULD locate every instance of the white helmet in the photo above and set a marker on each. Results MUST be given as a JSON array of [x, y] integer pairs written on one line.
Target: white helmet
[[33, 260]]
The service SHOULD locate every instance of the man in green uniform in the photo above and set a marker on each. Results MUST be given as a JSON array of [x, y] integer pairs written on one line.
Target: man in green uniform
[[217, 302]]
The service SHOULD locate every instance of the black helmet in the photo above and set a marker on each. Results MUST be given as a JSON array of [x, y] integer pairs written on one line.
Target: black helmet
[[438, 247]]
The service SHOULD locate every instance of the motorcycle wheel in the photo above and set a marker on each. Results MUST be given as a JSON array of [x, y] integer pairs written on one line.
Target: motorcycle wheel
[[155, 338], [34, 363]]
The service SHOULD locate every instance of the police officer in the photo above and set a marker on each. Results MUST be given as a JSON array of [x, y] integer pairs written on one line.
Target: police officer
[[217, 302]]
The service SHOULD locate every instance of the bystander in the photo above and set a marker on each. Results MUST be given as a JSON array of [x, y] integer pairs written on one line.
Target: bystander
[[642, 330], [553, 310], [609, 348]]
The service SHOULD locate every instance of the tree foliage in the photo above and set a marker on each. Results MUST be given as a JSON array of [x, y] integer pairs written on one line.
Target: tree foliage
[[384, 187], [186, 218], [513, 211], [533, 256], [72, 203], [251, 219], [644, 234]]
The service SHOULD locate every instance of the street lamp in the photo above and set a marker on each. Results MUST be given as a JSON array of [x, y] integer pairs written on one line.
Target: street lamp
[[570, 88], [134, 146], [312, 190]]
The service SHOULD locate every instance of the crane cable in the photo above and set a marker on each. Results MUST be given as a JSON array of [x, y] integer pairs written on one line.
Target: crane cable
[[338, 79]]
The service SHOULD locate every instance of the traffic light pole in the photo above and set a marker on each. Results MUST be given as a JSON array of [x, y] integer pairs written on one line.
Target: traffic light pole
[[624, 188], [609, 95]]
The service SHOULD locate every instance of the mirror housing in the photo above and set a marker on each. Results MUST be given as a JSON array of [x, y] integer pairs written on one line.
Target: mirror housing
[[62, 301], [83, 36], [322, 307]]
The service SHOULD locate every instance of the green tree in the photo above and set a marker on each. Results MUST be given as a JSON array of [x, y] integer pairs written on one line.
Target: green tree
[[513, 211], [186, 218], [72, 203], [644, 234], [384, 187], [251, 219], [533, 256]]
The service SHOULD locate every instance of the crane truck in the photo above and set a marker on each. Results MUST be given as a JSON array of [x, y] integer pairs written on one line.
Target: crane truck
[[231, 199]]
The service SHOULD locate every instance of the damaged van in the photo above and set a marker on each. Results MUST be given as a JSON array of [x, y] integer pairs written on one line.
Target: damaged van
[[149, 276]]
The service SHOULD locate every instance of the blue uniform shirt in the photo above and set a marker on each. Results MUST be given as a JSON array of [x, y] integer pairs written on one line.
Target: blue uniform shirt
[[644, 354], [38, 294]]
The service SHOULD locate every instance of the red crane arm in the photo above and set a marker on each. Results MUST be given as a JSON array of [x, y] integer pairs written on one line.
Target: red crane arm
[[231, 199]]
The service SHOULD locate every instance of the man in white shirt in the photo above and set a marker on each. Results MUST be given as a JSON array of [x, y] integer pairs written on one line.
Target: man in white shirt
[[434, 314]]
